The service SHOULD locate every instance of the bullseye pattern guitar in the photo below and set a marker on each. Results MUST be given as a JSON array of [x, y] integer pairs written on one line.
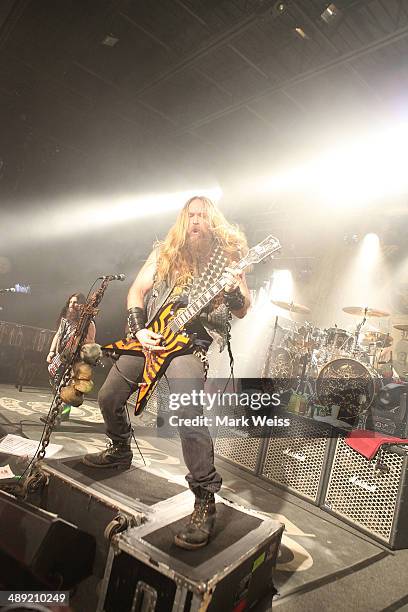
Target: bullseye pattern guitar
[[171, 322]]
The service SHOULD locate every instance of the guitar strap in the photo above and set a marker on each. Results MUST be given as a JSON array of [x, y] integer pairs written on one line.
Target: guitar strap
[[211, 273], [217, 321]]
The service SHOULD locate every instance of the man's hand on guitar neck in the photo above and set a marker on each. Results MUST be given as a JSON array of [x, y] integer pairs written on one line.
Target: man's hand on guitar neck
[[234, 278], [50, 356], [236, 293], [149, 340]]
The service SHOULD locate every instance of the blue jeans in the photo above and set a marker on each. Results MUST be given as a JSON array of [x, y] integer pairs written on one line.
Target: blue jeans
[[184, 374]]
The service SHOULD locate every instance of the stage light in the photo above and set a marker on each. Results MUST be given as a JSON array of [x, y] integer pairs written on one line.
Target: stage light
[[355, 172], [363, 282], [110, 40], [89, 215], [282, 286], [370, 246], [143, 206], [331, 14], [368, 257], [301, 33]]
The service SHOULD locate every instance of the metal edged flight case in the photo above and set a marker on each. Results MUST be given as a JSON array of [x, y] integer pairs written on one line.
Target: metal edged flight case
[[147, 572]]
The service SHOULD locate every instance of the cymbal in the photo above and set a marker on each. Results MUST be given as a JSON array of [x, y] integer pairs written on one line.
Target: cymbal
[[299, 308], [401, 327], [358, 311]]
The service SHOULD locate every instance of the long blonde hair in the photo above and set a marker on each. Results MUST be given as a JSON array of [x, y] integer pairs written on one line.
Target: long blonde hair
[[173, 257]]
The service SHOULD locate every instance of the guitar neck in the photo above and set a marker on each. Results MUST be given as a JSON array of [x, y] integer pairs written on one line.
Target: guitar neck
[[258, 253], [205, 298]]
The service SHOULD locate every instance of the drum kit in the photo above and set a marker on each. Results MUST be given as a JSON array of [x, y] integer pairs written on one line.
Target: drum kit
[[337, 370]]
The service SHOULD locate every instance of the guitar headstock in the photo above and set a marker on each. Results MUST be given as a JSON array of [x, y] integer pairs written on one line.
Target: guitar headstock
[[262, 250]]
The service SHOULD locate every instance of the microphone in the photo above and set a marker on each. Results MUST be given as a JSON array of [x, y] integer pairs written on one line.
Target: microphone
[[112, 277]]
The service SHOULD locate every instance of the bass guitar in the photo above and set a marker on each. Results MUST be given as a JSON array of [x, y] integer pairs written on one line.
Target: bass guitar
[[59, 360], [172, 323]]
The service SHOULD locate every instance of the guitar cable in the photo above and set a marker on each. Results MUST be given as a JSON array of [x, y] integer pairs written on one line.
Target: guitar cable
[[134, 437], [231, 358]]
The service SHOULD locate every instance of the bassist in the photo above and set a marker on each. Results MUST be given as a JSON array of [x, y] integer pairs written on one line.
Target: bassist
[[67, 322]]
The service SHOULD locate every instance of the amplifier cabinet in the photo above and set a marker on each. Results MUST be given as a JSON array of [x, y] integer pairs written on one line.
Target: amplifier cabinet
[[296, 457], [240, 448], [370, 495]]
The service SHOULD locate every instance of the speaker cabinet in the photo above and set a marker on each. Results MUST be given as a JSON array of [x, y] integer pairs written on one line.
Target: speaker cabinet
[[296, 457], [370, 495], [38, 549], [241, 446]]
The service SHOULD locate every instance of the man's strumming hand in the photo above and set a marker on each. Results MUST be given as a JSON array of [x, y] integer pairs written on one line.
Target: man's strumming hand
[[149, 340]]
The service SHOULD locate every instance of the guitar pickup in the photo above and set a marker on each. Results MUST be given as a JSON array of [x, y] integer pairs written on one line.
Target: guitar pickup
[[142, 384]]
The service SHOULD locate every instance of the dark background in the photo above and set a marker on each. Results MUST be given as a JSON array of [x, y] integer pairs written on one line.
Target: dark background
[[193, 93]]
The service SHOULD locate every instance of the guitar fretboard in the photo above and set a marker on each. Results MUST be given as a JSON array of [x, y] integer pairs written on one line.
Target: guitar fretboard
[[255, 255], [205, 298]]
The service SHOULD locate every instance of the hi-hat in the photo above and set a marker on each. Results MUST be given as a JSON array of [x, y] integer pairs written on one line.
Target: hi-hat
[[299, 308], [401, 327], [358, 311]]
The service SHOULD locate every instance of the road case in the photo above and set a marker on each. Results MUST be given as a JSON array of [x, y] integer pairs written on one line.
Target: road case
[[147, 572]]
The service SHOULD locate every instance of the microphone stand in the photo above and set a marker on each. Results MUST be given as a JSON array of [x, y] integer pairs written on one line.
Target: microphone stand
[[358, 329], [88, 312], [270, 349]]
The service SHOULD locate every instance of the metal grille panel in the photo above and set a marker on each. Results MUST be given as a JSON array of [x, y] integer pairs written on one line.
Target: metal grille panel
[[152, 404], [297, 460], [241, 446], [159, 399], [363, 495]]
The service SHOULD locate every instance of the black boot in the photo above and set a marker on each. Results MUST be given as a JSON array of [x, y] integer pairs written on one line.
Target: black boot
[[201, 525], [116, 454]]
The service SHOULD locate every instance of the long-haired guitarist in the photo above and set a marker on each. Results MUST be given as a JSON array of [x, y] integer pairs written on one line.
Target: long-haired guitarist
[[67, 322], [199, 248]]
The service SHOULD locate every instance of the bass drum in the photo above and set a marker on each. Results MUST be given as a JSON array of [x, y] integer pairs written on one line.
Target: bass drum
[[348, 384]]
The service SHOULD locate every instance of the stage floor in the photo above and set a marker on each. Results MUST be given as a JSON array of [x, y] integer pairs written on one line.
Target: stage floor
[[323, 562]]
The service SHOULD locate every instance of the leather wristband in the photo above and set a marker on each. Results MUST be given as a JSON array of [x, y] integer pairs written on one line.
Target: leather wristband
[[234, 299], [136, 320]]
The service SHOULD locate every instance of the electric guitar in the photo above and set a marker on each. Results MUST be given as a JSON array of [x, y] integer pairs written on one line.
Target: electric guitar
[[171, 321]]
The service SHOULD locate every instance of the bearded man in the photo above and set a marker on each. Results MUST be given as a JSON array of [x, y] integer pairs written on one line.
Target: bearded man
[[201, 244], [67, 323]]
